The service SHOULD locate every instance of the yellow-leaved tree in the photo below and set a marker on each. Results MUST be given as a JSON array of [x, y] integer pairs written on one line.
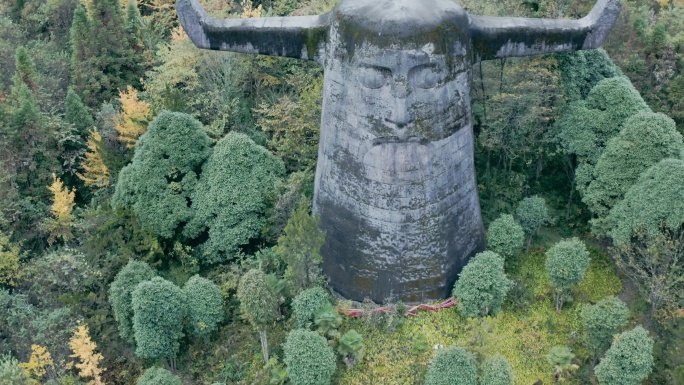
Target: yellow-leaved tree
[[134, 117], [95, 171], [59, 226], [84, 349], [38, 364]]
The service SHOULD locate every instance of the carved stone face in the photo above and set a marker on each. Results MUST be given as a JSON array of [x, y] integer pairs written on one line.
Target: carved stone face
[[409, 95]]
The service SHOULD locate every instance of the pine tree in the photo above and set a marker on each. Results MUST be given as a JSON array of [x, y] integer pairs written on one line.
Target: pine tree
[[300, 248], [83, 73], [95, 171], [84, 349], [25, 69], [78, 114]]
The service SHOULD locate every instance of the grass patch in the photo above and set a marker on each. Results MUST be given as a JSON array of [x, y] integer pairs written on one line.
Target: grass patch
[[523, 333]]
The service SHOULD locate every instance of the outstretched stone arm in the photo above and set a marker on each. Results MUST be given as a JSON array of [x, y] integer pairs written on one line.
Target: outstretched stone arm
[[301, 37], [498, 37]]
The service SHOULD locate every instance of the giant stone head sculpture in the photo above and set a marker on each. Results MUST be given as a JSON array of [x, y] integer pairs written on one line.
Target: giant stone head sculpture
[[395, 183]]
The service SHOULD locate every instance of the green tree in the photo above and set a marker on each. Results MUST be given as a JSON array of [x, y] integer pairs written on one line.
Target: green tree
[[157, 376], [586, 126], [294, 125], [482, 285], [205, 305], [628, 361], [327, 322], [655, 264], [232, 196], [78, 114], [580, 71], [566, 263], [25, 69], [300, 248], [159, 307], [655, 201], [505, 236], [496, 371], [258, 303], [10, 269], [350, 346], [453, 365], [602, 321], [158, 182], [120, 295], [646, 139], [112, 62], [307, 303], [11, 373], [532, 214], [309, 358], [82, 69]]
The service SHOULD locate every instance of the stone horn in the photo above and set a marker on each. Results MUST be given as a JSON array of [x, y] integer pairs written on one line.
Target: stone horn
[[499, 37], [301, 37]]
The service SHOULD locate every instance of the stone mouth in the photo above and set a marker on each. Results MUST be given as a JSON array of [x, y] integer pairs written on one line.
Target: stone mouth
[[395, 139]]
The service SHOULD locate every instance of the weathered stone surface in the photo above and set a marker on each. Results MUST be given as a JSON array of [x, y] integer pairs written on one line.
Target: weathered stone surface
[[395, 182]]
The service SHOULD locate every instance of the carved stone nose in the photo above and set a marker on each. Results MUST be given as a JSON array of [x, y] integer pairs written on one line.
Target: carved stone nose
[[399, 117]]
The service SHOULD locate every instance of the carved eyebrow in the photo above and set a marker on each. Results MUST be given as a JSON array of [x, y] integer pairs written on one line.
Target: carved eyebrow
[[375, 67]]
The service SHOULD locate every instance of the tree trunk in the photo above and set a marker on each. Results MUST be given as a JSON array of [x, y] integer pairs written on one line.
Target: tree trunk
[[264, 344]]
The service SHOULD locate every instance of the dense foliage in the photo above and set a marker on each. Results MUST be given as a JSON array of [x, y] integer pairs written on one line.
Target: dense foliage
[[566, 264], [629, 359], [602, 321], [121, 294], [309, 359], [505, 236], [158, 376], [482, 286], [205, 305], [218, 152], [158, 310], [307, 303], [496, 371], [452, 365]]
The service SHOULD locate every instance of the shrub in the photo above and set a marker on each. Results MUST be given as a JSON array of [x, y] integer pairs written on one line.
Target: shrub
[[482, 285], [450, 366], [205, 305], [307, 303], [158, 310], [628, 361], [496, 371], [11, 373], [505, 236], [120, 293], [309, 358], [566, 263], [601, 321], [158, 376]]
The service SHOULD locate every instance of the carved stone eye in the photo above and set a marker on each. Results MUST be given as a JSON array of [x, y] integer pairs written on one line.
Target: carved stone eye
[[373, 77], [426, 76]]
